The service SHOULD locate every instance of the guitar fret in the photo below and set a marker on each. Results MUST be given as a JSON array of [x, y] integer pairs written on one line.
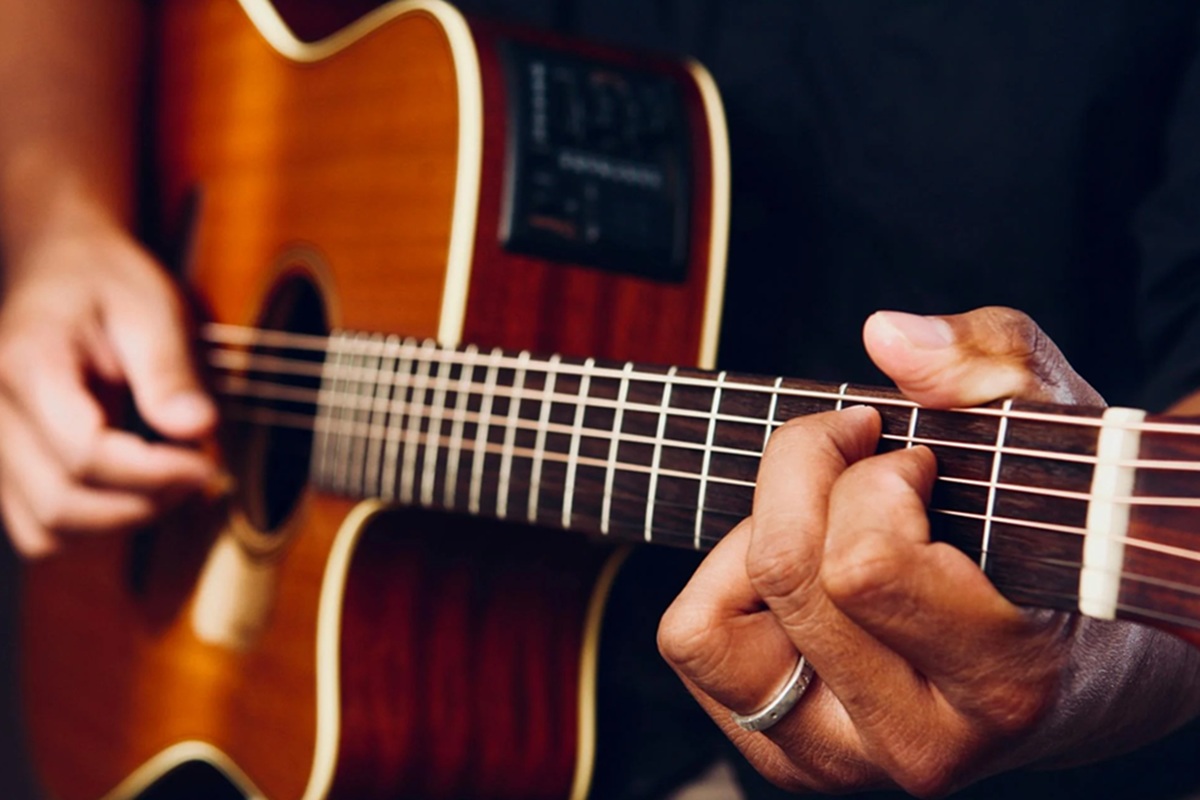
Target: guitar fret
[[481, 431], [429, 474], [841, 396], [543, 431], [385, 365], [712, 427], [363, 401], [341, 452], [656, 459], [993, 482], [320, 468], [341, 444], [912, 427], [585, 385], [395, 428], [510, 436], [618, 416], [772, 411], [412, 432], [454, 450]]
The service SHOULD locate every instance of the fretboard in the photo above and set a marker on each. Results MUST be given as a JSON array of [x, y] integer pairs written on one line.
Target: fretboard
[[1041, 497]]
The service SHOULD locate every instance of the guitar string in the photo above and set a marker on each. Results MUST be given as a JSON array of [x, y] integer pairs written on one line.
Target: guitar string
[[370, 376], [1180, 428], [667, 535], [1134, 543], [221, 333], [353, 428], [370, 430], [261, 416]]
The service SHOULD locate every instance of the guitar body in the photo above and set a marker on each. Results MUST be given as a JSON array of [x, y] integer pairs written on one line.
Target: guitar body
[[321, 648]]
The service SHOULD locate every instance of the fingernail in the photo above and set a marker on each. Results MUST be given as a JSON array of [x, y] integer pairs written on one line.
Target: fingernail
[[924, 332]]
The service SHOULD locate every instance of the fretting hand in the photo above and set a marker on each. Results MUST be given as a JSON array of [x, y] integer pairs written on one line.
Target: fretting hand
[[927, 679]]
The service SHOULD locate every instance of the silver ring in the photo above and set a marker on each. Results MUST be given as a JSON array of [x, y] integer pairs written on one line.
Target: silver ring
[[779, 705]]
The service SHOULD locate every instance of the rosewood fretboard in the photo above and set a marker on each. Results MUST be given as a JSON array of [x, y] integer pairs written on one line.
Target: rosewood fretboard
[[1052, 502]]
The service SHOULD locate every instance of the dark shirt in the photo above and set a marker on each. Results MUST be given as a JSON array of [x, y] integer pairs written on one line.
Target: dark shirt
[[938, 156], [934, 156]]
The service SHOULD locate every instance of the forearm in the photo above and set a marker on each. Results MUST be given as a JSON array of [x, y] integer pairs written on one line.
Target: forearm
[[1125, 685], [67, 76]]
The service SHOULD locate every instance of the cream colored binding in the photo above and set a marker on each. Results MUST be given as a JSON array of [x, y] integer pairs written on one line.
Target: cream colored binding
[[184, 753], [718, 252], [450, 323], [589, 663]]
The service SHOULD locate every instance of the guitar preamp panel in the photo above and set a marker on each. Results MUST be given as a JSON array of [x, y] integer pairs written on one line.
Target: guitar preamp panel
[[597, 164]]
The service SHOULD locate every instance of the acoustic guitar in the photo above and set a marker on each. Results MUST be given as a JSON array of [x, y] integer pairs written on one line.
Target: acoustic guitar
[[416, 174], [388, 230]]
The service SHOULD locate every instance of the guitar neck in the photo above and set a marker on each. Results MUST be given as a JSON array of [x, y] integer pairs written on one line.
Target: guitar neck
[[1072, 508]]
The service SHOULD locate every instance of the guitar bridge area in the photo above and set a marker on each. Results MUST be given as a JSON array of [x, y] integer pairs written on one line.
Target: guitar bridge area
[[597, 164]]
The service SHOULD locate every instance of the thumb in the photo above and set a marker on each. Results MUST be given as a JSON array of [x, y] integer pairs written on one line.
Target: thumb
[[973, 358], [151, 341]]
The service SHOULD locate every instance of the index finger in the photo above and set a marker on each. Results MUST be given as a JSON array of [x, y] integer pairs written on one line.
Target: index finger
[[56, 402]]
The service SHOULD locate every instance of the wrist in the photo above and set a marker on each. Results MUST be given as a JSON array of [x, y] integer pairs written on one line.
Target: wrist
[[43, 199], [1126, 686]]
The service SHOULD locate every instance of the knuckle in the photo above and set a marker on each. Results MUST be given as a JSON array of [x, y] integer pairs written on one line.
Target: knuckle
[[1015, 328], [81, 459], [804, 437], [1018, 335], [864, 571], [865, 563], [790, 437], [685, 636], [1011, 709], [780, 572]]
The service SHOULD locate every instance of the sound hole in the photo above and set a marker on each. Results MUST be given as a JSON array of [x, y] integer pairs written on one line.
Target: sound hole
[[271, 445]]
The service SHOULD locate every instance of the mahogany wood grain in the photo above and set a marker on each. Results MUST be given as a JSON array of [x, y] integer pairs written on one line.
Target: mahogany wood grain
[[460, 659]]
